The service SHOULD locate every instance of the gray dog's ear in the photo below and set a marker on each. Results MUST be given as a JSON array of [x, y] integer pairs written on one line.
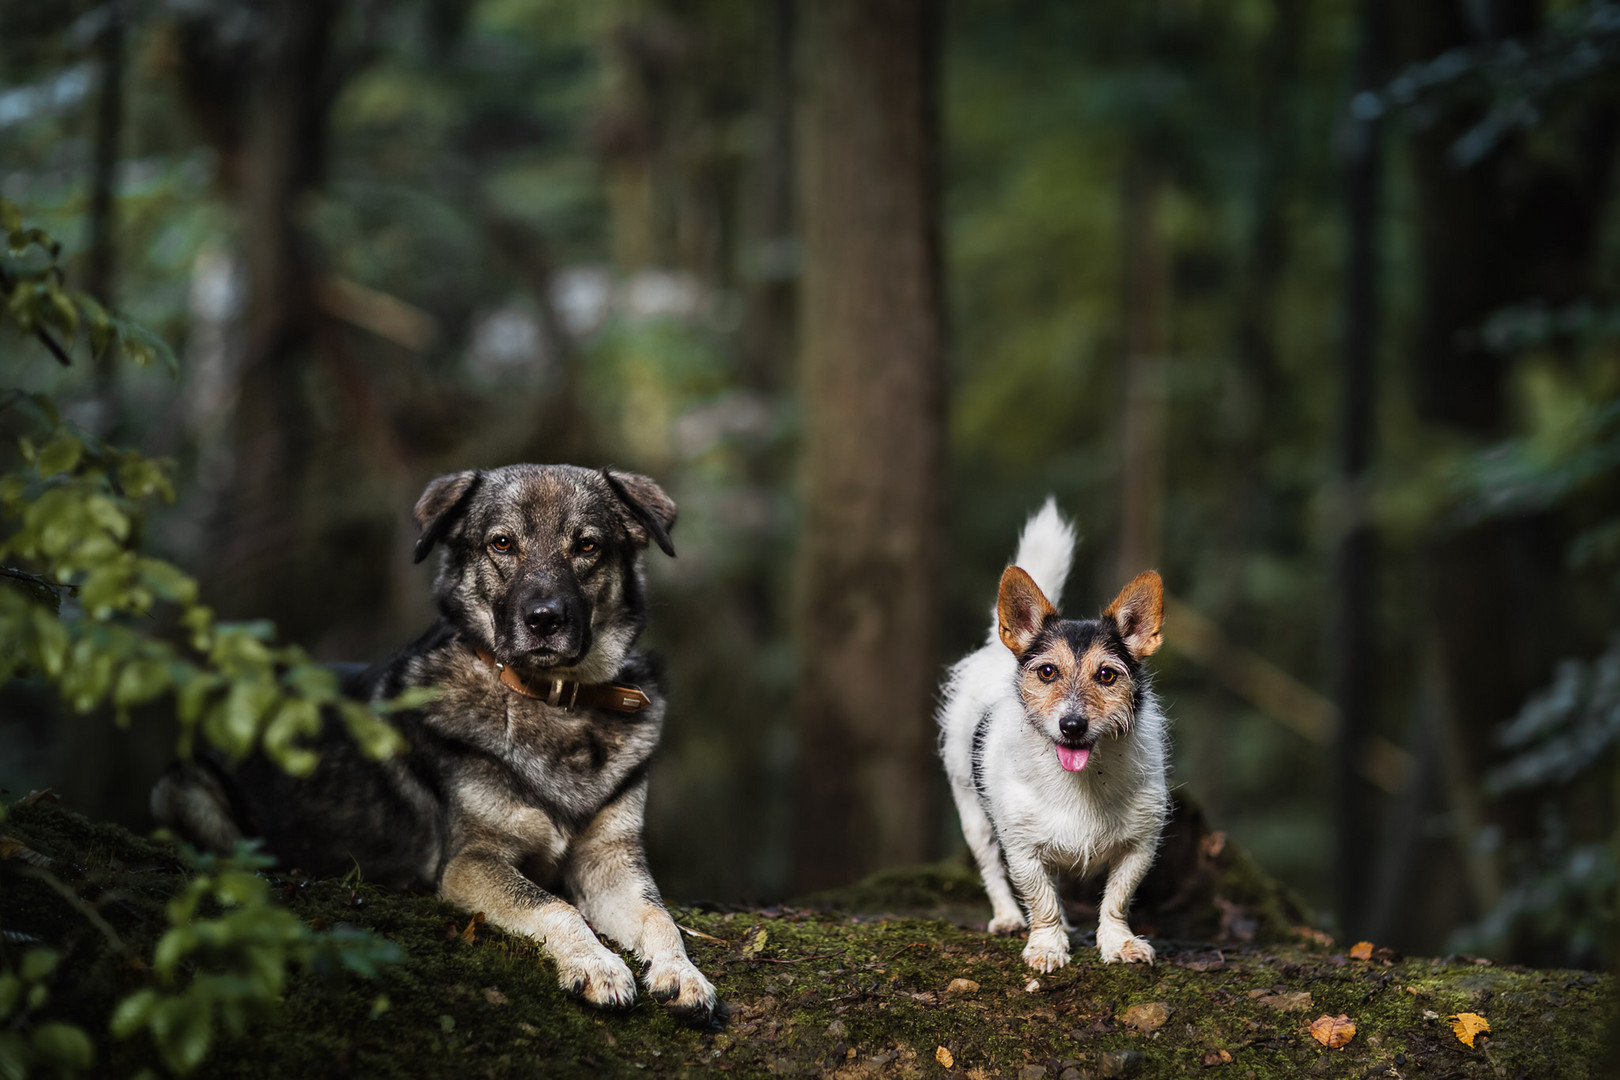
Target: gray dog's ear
[[443, 501], [651, 513]]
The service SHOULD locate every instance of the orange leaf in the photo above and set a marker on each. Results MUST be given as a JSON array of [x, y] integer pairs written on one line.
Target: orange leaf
[[943, 1056], [1467, 1025], [1333, 1031], [1361, 950]]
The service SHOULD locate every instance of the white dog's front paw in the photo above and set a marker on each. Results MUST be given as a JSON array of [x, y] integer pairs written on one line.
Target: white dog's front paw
[[598, 976], [677, 983], [1118, 945], [1048, 949], [1002, 925]]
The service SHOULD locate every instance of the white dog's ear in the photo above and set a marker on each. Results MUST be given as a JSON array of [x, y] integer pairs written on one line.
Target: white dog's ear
[[1138, 611], [1021, 608]]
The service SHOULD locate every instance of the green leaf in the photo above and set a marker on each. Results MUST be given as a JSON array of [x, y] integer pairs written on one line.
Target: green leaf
[[190, 1043], [10, 993], [169, 582], [38, 963], [60, 455], [375, 737], [131, 1014], [233, 724], [10, 217], [64, 1044], [140, 681], [60, 312]]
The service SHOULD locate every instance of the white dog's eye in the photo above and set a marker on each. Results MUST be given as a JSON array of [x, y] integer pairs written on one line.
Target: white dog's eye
[[1046, 672], [1106, 675]]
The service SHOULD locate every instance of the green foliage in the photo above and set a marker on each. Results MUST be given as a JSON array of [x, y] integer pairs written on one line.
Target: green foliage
[[77, 611], [37, 301], [72, 512], [28, 1045], [237, 961]]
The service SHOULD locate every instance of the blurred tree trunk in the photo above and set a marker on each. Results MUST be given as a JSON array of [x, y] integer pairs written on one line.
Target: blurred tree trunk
[[104, 169], [280, 133], [102, 271], [1142, 436], [1521, 223], [1361, 158], [872, 393]]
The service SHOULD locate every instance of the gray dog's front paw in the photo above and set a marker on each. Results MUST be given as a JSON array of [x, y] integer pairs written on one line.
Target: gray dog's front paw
[[599, 977], [681, 986]]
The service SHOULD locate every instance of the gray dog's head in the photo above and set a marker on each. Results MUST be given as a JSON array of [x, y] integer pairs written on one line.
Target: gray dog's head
[[542, 565]]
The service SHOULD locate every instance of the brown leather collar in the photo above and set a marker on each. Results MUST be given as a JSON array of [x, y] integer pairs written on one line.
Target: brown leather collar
[[566, 694]]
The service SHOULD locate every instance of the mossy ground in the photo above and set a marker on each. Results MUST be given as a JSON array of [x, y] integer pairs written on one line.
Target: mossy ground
[[808, 993]]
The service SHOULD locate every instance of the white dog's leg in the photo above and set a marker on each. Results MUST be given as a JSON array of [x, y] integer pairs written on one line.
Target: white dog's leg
[[1114, 938], [1048, 947], [1005, 918]]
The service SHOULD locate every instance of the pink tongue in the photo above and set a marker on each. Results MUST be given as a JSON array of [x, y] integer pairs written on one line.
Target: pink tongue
[[1072, 760]]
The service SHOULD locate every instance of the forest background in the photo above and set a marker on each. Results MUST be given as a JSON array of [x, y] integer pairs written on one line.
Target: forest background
[[1309, 305]]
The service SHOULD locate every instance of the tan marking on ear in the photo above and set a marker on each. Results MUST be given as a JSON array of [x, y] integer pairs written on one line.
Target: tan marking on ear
[[1138, 611], [1021, 607]]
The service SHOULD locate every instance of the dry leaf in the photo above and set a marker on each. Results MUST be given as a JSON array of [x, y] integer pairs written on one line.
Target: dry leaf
[[1217, 1057], [1361, 950], [943, 1056], [1333, 1031], [1146, 1018], [756, 943], [494, 996], [1467, 1025], [12, 848], [962, 986], [1032, 986], [698, 933], [470, 934]]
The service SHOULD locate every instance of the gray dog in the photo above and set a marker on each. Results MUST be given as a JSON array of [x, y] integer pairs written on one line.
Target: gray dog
[[529, 773]]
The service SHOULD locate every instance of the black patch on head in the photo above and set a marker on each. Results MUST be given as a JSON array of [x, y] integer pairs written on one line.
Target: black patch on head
[[436, 528]]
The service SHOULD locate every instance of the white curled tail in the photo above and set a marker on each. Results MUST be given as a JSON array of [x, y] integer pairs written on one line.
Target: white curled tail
[[1045, 552]]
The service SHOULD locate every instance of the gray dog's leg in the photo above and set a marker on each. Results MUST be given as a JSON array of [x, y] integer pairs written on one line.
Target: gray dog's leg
[[484, 881], [608, 875]]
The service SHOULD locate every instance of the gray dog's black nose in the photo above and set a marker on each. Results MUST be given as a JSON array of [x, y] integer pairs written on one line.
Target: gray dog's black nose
[[545, 617], [1072, 727]]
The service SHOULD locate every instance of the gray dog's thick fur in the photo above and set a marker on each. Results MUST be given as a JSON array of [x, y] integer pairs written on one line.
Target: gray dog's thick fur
[[501, 798]]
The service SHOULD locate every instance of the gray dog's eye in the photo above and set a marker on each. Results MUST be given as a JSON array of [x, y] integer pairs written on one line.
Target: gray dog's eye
[[500, 544], [584, 546]]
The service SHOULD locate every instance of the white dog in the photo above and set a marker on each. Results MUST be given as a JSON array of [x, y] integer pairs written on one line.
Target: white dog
[[1056, 748]]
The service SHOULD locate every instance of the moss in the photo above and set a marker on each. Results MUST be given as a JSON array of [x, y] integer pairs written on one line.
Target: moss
[[822, 993]]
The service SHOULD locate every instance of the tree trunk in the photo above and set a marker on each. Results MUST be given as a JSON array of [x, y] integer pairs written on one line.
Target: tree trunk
[[1142, 436], [872, 392], [1361, 157], [283, 149]]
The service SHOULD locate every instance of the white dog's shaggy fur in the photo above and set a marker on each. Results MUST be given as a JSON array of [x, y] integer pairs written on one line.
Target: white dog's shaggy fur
[[1036, 800]]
